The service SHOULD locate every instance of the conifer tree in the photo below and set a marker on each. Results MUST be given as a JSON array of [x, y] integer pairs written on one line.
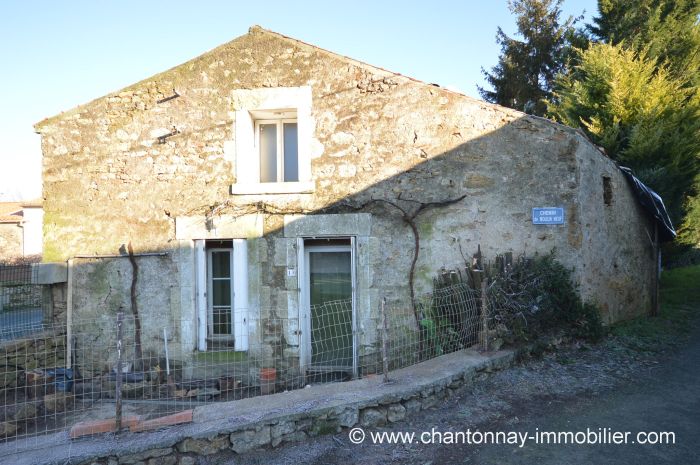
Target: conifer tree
[[526, 69]]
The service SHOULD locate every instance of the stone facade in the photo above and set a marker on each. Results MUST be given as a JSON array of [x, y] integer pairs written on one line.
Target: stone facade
[[11, 244], [163, 164]]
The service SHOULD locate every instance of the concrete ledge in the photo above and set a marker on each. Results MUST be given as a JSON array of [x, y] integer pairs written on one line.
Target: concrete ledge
[[341, 224], [49, 273], [247, 424]]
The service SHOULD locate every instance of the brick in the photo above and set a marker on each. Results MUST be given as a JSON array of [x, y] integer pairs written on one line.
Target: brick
[[108, 425], [160, 422]]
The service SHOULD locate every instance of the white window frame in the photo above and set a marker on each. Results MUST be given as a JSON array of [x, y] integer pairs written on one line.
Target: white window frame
[[253, 105], [279, 122]]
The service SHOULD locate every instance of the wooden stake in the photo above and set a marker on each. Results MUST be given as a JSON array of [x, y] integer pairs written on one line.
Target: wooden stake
[[385, 358], [484, 317]]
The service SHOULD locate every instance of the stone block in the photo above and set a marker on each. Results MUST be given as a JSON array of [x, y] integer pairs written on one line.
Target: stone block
[[282, 428], [304, 424], [412, 406], [136, 390], [395, 412], [348, 417], [243, 441], [323, 425], [7, 429], [296, 436], [167, 460], [428, 402], [143, 456], [371, 417], [204, 446], [8, 377], [26, 411], [57, 402]]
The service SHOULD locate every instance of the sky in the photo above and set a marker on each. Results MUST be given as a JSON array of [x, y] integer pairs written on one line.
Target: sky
[[57, 55]]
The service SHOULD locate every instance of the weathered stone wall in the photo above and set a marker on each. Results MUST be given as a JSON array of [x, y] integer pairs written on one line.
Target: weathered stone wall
[[102, 288], [11, 245], [108, 180], [615, 256]]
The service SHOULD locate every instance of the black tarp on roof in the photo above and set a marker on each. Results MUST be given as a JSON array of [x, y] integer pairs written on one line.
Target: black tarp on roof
[[653, 204]]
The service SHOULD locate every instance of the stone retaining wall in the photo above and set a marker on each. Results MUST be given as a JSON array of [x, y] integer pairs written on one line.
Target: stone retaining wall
[[299, 415], [39, 350], [25, 393]]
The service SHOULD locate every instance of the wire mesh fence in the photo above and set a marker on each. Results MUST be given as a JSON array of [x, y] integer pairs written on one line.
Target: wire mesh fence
[[439, 323], [23, 304], [110, 368]]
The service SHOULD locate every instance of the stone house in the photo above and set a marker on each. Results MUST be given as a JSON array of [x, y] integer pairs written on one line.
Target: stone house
[[250, 177]]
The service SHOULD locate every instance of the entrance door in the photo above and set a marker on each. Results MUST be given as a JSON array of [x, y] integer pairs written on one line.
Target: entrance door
[[221, 293], [329, 307]]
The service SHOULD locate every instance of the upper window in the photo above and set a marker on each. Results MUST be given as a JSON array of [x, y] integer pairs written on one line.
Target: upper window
[[273, 129], [277, 144]]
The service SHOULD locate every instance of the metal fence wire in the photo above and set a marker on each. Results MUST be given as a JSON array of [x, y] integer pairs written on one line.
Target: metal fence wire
[[23, 304], [111, 368]]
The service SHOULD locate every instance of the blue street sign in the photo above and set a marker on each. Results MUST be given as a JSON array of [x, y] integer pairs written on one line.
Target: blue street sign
[[548, 215]]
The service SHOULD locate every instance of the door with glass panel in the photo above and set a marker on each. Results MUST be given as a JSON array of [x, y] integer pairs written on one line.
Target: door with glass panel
[[220, 293], [329, 284]]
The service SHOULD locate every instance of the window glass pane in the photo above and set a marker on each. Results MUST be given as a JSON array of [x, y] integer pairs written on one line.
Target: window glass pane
[[221, 264], [330, 276], [221, 289], [222, 320], [268, 152], [291, 153], [330, 279]]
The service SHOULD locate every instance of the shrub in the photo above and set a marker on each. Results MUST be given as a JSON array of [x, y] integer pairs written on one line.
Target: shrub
[[537, 297]]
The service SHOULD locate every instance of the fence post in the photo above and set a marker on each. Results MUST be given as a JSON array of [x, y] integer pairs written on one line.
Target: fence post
[[118, 393], [484, 316], [69, 314], [385, 358]]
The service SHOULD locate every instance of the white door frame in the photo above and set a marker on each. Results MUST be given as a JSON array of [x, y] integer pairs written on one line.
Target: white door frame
[[303, 278], [239, 289]]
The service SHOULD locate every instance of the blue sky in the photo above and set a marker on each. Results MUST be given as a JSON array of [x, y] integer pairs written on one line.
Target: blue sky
[[57, 55]]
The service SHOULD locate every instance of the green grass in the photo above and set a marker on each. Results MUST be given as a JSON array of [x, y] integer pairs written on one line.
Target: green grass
[[680, 305], [224, 356]]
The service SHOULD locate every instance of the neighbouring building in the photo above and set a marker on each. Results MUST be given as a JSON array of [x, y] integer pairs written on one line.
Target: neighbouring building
[[268, 173], [20, 230]]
